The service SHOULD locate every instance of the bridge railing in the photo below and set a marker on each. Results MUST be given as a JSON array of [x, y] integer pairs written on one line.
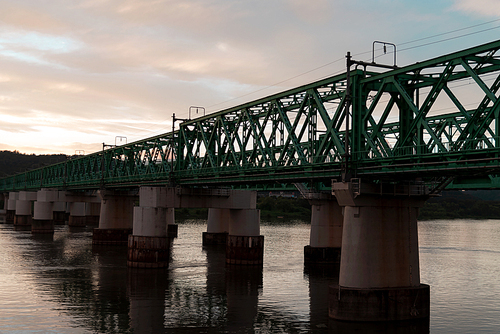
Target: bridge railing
[[86, 172], [461, 146]]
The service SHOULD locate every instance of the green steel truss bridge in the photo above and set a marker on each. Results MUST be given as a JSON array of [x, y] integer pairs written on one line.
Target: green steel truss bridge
[[435, 122]]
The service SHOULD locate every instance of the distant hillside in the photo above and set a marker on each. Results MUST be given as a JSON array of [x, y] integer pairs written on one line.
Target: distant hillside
[[486, 195], [14, 162], [477, 204]]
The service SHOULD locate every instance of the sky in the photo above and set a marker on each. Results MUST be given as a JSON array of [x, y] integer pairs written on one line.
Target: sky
[[77, 74]]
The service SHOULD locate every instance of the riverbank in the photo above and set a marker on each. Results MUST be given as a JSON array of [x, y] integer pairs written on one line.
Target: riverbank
[[271, 209], [462, 205], [484, 204]]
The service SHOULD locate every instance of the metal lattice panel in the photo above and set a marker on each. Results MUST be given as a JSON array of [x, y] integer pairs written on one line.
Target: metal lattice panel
[[432, 120]]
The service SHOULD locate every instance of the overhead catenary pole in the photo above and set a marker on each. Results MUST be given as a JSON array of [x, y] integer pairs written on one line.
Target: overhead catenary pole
[[103, 163], [345, 166], [172, 151], [172, 147]]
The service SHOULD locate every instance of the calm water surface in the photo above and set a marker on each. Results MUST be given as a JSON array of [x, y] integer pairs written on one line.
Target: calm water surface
[[62, 284]]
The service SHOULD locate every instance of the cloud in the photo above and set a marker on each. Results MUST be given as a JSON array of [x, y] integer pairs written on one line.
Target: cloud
[[29, 17], [315, 12], [90, 70], [488, 8]]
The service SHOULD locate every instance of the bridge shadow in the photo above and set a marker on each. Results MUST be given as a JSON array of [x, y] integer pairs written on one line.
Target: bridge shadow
[[238, 285], [320, 277], [103, 294], [396, 327], [146, 292]]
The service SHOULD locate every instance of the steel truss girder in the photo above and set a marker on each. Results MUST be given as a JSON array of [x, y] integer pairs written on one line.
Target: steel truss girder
[[300, 134]]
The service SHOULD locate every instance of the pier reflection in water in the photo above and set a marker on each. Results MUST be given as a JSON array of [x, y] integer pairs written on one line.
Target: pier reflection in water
[[62, 284]]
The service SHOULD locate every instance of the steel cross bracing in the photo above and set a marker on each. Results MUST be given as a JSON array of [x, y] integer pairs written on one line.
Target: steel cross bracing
[[435, 121]]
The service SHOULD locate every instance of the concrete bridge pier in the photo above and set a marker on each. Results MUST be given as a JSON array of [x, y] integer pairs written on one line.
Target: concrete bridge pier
[[84, 208], [3, 211], [245, 245], [92, 212], [116, 218], [149, 245], [11, 207], [217, 227], [23, 217], [77, 214], [43, 217], [326, 233], [172, 227], [379, 277], [59, 213], [3, 205]]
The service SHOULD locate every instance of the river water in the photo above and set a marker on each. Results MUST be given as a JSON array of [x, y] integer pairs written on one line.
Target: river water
[[62, 284]]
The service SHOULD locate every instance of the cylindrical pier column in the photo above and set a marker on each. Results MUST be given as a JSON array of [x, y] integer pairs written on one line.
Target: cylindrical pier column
[[43, 217], [43, 220], [77, 214], [245, 245], [217, 227], [326, 233], [59, 213], [23, 217], [11, 207], [92, 213], [149, 245], [379, 277], [116, 218]]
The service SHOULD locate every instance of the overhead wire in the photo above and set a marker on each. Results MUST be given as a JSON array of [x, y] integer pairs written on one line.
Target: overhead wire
[[363, 53], [450, 38], [278, 83], [367, 52], [449, 32]]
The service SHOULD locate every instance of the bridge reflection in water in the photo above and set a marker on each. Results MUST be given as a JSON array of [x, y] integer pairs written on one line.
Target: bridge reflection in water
[[92, 288]]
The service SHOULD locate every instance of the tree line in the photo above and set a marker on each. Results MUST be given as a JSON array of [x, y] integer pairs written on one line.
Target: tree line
[[12, 163], [484, 204]]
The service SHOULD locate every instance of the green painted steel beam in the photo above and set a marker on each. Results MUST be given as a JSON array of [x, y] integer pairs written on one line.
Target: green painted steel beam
[[299, 135]]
